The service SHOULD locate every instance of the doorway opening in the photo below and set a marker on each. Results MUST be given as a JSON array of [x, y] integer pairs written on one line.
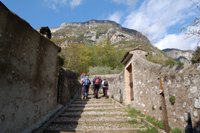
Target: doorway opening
[[129, 83]]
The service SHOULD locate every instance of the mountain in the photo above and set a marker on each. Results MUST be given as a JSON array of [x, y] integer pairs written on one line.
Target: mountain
[[99, 32], [96, 32], [181, 55]]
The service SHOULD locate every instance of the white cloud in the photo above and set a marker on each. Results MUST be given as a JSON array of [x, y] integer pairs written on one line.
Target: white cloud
[[75, 3], [55, 4], [115, 17], [127, 2], [155, 17], [180, 41]]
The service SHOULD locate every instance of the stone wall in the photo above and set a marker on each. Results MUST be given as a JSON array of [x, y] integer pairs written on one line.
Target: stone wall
[[146, 91], [28, 74], [69, 86], [184, 84], [181, 83]]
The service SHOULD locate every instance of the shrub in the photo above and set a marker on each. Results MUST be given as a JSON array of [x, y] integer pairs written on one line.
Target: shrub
[[171, 62], [103, 70], [172, 100]]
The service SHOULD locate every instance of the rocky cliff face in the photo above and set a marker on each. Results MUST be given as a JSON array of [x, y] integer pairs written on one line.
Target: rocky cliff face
[[181, 55], [95, 31]]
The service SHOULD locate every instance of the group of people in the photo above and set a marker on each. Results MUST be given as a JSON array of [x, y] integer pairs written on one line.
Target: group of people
[[97, 84]]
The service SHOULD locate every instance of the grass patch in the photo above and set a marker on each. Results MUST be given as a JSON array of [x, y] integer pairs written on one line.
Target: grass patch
[[150, 130], [133, 121], [155, 122], [176, 130], [134, 113]]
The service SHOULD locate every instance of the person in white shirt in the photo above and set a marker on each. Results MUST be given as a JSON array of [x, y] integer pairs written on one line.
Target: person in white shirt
[[105, 87]]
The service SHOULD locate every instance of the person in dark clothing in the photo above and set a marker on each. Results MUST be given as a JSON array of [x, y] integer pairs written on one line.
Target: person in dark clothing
[[97, 85], [93, 82]]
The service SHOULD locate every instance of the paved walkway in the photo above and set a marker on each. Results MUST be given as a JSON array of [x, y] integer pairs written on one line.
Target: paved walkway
[[95, 116]]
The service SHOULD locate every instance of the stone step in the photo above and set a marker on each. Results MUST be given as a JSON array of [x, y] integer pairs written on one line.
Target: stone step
[[90, 101], [95, 119], [94, 113], [93, 100], [94, 105], [93, 126], [74, 109], [96, 116], [88, 122], [124, 130]]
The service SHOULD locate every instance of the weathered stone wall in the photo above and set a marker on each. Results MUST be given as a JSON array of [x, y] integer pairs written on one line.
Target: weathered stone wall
[[184, 84], [28, 74], [146, 94], [116, 85], [68, 85]]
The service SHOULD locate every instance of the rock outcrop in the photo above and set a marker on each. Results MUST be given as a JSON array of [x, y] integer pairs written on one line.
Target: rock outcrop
[[181, 55], [95, 31]]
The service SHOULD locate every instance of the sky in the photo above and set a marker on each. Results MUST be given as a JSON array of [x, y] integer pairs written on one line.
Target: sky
[[164, 22]]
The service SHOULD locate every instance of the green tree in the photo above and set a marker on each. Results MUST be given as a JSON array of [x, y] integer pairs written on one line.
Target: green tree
[[77, 58], [196, 56], [81, 57]]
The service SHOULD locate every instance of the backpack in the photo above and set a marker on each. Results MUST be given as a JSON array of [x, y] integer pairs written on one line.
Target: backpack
[[86, 82], [105, 83], [98, 81]]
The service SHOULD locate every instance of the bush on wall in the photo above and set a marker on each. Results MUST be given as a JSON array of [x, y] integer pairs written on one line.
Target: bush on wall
[[172, 100]]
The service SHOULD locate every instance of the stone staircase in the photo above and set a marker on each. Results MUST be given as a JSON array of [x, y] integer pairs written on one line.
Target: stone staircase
[[95, 116]]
